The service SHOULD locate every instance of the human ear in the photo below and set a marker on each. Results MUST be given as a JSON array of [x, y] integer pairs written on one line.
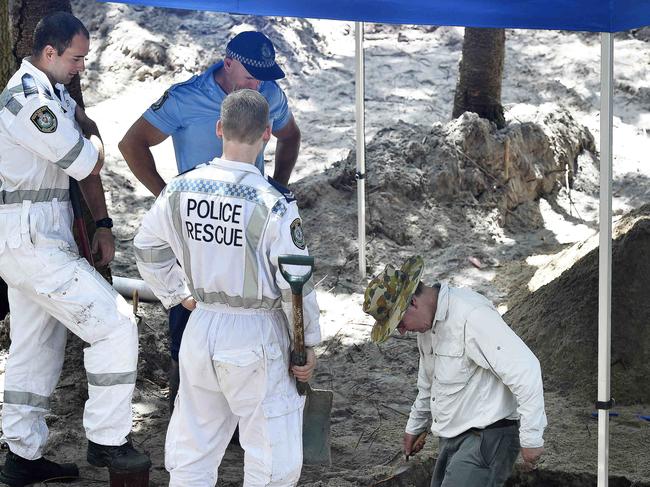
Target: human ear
[[49, 52], [266, 136]]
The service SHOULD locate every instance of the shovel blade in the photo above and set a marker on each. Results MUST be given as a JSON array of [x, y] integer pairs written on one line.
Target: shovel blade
[[316, 428]]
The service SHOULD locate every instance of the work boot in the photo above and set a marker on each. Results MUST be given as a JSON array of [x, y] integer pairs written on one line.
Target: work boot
[[19, 472], [174, 377], [123, 458]]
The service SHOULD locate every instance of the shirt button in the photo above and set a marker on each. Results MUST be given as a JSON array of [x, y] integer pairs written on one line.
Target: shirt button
[[435, 420]]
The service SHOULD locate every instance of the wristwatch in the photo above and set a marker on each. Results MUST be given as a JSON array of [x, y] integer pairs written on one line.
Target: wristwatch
[[104, 223]]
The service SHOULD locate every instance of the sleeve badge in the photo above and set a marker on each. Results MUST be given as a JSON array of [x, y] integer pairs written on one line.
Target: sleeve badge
[[160, 101], [44, 120], [296, 234]]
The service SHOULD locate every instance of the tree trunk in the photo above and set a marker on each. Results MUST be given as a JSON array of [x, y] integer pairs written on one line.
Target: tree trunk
[[25, 16], [7, 63], [480, 75]]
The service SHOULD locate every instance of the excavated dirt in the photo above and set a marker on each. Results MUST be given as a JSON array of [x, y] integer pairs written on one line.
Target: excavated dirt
[[559, 321], [476, 202]]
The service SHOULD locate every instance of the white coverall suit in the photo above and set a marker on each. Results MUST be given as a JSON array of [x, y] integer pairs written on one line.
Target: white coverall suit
[[50, 286], [226, 225]]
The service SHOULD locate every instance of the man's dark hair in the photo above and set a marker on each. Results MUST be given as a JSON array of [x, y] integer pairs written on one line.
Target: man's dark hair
[[57, 30], [419, 289]]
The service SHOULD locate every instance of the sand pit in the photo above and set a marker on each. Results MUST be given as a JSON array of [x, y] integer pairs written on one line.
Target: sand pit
[[482, 214]]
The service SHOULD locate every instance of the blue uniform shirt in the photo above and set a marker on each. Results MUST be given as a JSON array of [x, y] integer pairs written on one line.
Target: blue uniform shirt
[[189, 112]]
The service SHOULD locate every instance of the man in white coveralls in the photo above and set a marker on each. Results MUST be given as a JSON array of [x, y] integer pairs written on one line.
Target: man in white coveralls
[[45, 138], [226, 225]]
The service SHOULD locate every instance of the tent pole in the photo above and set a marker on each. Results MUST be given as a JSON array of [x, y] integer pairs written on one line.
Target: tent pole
[[361, 146], [605, 251]]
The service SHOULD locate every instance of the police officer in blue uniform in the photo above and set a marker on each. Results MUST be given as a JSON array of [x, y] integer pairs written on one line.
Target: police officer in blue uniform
[[188, 112]]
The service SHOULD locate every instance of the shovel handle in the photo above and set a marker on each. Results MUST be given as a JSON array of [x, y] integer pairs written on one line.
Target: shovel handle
[[296, 282], [298, 354], [79, 224]]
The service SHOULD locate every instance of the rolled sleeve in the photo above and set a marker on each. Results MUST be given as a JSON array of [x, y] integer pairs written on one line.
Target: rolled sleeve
[[278, 106], [165, 114]]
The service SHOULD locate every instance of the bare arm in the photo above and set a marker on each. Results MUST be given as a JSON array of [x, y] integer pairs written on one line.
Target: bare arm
[[286, 151], [103, 243], [93, 192], [135, 146]]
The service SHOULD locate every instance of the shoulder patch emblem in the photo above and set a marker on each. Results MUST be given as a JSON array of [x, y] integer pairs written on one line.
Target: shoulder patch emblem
[[44, 120], [161, 101], [296, 234]]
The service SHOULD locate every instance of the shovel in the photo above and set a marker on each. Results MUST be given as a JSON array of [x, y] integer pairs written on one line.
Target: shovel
[[318, 403]]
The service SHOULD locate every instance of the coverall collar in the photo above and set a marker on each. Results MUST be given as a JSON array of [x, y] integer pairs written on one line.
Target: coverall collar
[[40, 76], [443, 303], [235, 165]]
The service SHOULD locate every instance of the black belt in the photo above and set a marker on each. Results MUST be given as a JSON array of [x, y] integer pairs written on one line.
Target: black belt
[[502, 423]]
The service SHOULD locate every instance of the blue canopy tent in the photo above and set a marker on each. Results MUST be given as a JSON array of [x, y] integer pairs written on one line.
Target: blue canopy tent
[[604, 16]]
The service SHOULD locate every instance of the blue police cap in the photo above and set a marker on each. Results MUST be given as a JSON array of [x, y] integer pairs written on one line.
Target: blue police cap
[[255, 51]]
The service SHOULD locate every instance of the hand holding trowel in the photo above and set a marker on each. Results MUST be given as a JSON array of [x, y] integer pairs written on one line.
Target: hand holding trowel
[[400, 462], [318, 403]]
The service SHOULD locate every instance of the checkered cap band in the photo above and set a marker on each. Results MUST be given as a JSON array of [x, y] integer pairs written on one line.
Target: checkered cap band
[[250, 62]]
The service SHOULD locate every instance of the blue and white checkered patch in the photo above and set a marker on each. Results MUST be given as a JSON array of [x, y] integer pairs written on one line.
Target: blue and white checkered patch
[[215, 187], [279, 208]]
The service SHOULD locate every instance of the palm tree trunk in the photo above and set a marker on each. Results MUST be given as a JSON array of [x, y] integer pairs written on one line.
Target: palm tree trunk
[[7, 63], [480, 75]]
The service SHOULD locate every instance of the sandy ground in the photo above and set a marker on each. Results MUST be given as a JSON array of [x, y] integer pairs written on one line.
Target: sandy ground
[[410, 76]]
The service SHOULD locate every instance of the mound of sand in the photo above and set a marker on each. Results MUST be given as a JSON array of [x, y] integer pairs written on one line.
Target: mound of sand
[[559, 321], [442, 191]]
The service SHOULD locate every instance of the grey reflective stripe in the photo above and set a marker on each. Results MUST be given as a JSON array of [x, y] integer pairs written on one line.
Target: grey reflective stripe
[[150, 256], [237, 301], [34, 195], [14, 106], [112, 379], [175, 208], [71, 156], [7, 96], [251, 267], [20, 398], [306, 289]]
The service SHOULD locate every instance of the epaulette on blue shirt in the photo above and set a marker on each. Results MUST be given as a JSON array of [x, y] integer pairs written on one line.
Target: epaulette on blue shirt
[[155, 106], [286, 192]]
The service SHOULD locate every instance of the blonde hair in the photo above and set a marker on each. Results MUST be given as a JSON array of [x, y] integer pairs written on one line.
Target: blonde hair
[[244, 116]]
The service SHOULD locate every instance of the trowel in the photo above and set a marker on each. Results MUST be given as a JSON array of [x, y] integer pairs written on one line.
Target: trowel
[[401, 463]]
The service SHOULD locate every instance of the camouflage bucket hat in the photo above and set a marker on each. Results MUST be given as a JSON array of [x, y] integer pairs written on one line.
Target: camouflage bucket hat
[[389, 294]]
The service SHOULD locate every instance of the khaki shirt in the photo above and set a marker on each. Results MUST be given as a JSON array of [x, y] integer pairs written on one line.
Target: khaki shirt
[[474, 370]]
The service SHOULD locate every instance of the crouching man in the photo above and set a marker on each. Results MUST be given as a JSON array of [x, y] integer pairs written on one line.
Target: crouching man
[[226, 225], [479, 385]]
